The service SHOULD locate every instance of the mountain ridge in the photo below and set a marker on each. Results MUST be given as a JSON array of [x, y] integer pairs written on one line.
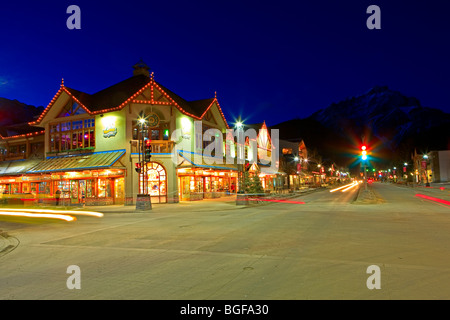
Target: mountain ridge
[[393, 123]]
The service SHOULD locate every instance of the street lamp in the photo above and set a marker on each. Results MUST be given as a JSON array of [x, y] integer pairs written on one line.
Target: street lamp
[[143, 199], [425, 156]]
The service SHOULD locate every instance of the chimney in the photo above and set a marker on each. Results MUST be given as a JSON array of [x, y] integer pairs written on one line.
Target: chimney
[[141, 68]]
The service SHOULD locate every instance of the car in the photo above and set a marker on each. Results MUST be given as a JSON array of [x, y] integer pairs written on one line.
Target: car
[[370, 180]]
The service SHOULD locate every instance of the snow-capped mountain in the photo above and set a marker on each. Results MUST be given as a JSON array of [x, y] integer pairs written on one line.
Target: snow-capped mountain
[[394, 123], [383, 113]]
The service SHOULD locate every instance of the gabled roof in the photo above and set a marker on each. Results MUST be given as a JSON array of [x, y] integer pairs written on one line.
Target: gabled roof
[[120, 94], [19, 130]]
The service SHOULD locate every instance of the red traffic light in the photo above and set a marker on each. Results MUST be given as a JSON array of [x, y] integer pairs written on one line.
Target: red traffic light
[[363, 147], [148, 142]]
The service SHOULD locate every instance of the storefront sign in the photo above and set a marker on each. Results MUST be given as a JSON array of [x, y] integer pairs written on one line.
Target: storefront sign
[[109, 131], [109, 127]]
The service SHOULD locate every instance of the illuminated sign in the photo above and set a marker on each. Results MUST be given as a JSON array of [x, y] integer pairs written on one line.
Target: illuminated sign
[[109, 127]]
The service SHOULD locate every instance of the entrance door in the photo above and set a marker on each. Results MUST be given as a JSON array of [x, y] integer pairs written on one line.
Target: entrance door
[[82, 192], [74, 189], [119, 193]]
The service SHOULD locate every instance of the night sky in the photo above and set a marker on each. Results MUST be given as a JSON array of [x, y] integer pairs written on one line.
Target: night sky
[[267, 60]]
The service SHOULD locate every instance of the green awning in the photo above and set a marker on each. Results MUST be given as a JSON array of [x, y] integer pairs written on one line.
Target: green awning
[[16, 167], [96, 160]]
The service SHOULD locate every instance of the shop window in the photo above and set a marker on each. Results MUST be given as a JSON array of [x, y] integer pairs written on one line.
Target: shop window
[[90, 188], [104, 188]]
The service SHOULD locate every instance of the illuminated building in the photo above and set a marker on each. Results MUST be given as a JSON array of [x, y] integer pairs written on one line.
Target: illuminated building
[[89, 147]]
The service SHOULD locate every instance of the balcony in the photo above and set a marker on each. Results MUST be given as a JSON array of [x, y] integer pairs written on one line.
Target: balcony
[[158, 146]]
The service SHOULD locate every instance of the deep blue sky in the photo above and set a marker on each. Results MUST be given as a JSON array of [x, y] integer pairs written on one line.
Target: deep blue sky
[[267, 60]]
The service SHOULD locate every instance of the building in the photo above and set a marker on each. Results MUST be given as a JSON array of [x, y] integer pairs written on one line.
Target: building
[[293, 164], [433, 166], [88, 147]]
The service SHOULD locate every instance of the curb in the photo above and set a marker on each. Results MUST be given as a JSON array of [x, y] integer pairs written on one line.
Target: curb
[[7, 243], [367, 196]]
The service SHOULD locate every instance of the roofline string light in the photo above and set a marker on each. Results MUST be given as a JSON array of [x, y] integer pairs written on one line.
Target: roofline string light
[[152, 84]]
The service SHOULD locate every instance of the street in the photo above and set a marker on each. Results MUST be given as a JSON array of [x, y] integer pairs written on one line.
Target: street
[[208, 251]]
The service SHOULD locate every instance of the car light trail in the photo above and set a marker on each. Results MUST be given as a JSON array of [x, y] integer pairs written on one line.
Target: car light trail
[[63, 212], [354, 184], [38, 215], [433, 199], [347, 186], [275, 200]]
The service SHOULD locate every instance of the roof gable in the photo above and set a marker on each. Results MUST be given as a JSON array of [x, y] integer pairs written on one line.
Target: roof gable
[[132, 90]]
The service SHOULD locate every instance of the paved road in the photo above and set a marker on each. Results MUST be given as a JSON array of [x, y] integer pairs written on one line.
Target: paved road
[[317, 250]]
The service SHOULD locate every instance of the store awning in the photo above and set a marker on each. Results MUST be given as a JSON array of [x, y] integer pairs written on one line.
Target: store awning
[[188, 160], [16, 167], [90, 161]]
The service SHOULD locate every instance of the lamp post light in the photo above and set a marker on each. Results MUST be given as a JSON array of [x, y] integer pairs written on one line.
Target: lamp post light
[[240, 154], [425, 156], [143, 201]]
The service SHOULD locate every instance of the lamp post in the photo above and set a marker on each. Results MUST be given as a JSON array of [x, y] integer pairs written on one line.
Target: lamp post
[[240, 154], [143, 201], [425, 156]]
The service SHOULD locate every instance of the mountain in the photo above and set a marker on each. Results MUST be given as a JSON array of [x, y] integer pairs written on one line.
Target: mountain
[[390, 123], [15, 115], [14, 112]]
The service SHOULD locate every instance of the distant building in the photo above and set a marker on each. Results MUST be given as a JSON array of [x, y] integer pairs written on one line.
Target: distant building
[[439, 165], [433, 166]]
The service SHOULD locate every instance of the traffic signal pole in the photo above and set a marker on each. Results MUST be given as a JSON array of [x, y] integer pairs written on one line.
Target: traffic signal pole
[[365, 176]]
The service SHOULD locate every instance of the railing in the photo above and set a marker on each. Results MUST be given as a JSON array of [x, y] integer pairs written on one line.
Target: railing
[[158, 146]]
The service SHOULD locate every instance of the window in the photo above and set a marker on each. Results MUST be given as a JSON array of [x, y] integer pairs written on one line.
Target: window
[[71, 109], [155, 133], [77, 134]]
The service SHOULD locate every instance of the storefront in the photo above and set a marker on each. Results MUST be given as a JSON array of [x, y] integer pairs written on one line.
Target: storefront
[[98, 187], [155, 181], [198, 184]]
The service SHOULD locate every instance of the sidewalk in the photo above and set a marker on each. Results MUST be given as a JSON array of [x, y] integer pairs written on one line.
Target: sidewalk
[[217, 204], [440, 190], [220, 204]]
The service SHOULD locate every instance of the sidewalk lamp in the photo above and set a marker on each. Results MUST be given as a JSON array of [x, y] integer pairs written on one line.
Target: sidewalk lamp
[[425, 156], [240, 155], [143, 201]]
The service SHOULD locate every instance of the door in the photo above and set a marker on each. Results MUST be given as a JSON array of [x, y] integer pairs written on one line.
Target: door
[[82, 191]]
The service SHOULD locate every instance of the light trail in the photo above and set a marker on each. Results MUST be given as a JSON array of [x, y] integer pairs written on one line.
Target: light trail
[[38, 215], [433, 199], [350, 185], [70, 212], [275, 200], [354, 184]]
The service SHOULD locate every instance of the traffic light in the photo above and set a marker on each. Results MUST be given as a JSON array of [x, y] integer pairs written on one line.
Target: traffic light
[[148, 150], [138, 167], [364, 152]]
